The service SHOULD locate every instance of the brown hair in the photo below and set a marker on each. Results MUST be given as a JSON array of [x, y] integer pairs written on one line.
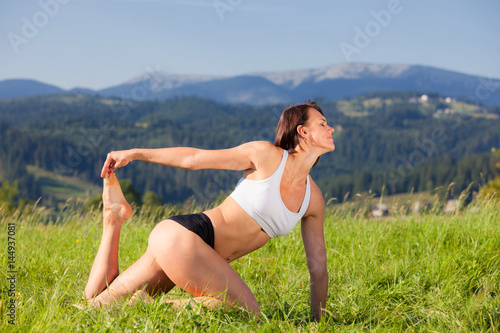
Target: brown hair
[[292, 117]]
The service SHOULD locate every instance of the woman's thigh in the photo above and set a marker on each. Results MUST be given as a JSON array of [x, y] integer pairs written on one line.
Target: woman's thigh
[[196, 267]]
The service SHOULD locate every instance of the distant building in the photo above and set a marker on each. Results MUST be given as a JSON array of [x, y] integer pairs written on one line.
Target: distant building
[[441, 114], [380, 210], [451, 206], [420, 207]]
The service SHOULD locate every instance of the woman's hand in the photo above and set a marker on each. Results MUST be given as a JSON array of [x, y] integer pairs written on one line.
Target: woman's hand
[[115, 160]]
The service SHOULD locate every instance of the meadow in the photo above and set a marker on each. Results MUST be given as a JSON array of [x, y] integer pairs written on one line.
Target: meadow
[[432, 272]]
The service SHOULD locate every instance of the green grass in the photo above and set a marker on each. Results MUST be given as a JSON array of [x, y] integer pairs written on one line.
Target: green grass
[[432, 273]]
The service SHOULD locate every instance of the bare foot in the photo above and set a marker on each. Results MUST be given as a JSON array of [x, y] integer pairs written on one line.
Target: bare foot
[[115, 208]]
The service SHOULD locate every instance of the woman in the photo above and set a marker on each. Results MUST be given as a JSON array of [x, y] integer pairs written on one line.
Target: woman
[[194, 251]]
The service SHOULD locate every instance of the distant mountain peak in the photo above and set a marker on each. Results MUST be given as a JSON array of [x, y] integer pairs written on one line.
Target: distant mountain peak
[[358, 70], [329, 82], [159, 81], [292, 79]]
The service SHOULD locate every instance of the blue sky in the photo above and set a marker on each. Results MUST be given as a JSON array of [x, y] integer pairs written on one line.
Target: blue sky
[[101, 43]]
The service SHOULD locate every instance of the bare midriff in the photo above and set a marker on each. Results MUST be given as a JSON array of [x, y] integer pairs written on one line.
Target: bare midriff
[[236, 233]]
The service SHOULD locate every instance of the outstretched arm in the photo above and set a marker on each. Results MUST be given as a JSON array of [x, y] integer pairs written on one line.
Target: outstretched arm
[[242, 157], [314, 245]]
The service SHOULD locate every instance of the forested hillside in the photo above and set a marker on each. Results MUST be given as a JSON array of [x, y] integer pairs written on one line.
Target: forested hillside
[[394, 139]]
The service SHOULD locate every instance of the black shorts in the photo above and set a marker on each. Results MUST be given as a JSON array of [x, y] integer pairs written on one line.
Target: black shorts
[[198, 223]]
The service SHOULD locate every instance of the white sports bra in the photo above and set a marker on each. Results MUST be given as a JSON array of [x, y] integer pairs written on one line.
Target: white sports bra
[[261, 199]]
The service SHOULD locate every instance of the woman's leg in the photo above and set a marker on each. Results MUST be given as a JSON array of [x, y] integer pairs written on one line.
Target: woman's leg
[[195, 267], [104, 273], [175, 256], [115, 211]]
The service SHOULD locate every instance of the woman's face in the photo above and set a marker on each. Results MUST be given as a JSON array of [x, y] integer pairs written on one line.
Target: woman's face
[[317, 131]]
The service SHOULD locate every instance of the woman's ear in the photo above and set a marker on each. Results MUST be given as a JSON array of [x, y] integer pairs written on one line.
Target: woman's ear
[[301, 130]]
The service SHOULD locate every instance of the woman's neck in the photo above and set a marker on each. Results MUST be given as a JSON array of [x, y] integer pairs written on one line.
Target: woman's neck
[[302, 162]]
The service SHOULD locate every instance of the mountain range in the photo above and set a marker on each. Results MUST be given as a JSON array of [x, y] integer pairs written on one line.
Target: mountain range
[[330, 82]]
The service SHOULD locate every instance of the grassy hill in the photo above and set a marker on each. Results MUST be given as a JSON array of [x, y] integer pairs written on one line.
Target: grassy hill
[[431, 273], [60, 189]]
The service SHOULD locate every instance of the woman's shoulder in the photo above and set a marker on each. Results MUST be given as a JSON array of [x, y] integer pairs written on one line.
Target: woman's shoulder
[[265, 149], [263, 145], [264, 155]]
